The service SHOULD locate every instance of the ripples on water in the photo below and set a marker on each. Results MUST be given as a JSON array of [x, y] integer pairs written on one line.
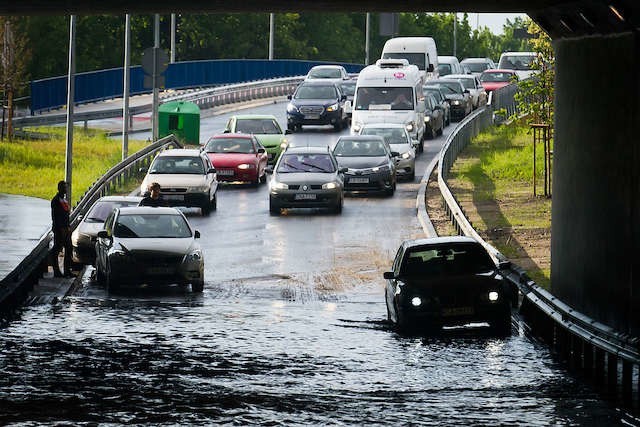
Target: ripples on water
[[273, 355]]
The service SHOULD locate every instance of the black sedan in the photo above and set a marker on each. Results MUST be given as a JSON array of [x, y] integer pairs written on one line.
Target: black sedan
[[447, 281], [317, 102], [369, 163], [458, 97]]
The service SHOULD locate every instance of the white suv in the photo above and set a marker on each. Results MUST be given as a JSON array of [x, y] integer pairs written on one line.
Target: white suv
[[186, 177]]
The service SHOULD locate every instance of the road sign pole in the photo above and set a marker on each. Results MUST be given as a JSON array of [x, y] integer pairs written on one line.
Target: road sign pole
[[156, 92], [125, 92], [68, 173]]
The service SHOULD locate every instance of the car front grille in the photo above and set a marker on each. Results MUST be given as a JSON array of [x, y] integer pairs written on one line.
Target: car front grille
[[311, 109]]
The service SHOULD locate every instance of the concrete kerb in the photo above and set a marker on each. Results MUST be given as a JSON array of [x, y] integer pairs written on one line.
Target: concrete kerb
[[421, 201]]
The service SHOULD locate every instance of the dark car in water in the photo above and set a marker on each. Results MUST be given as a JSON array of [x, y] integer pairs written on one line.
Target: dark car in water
[[317, 102], [447, 281]]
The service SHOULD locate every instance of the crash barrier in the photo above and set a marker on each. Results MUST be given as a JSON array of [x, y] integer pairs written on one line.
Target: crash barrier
[[204, 98], [608, 358], [15, 287]]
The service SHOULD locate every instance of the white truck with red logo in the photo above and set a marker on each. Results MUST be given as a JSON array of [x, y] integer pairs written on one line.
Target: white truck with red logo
[[390, 92]]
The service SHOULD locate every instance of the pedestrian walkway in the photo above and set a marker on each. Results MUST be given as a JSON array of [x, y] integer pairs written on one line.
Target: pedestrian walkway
[[23, 221]]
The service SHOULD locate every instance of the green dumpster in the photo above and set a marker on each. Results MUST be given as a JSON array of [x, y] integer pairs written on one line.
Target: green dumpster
[[181, 119]]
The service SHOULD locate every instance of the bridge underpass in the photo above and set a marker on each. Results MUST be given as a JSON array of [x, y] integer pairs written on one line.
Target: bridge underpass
[[595, 242]]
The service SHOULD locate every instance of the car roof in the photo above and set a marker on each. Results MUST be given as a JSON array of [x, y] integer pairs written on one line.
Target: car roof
[[475, 60], [447, 58], [500, 70], [254, 116], [438, 241], [307, 150], [119, 198], [359, 138], [159, 210], [181, 152], [318, 82], [232, 135], [384, 125], [327, 66], [458, 76]]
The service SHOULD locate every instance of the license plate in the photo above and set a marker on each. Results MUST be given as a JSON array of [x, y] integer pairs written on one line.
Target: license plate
[[174, 197], [312, 116], [305, 196], [359, 180], [226, 172], [457, 311], [159, 270]]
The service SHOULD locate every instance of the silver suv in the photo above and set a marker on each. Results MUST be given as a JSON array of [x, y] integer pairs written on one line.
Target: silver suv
[[186, 177]]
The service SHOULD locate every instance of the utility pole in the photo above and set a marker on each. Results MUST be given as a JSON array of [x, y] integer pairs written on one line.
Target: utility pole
[[455, 24], [125, 92], [156, 91], [173, 38], [367, 29], [68, 172], [272, 30]]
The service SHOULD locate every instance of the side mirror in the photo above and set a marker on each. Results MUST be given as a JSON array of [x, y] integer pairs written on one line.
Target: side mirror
[[287, 132], [261, 150], [430, 68], [226, 130], [143, 170], [394, 154], [289, 96], [211, 170], [196, 234], [102, 234], [504, 265], [343, 98], [389, 275], [343, 170], [268, 169]]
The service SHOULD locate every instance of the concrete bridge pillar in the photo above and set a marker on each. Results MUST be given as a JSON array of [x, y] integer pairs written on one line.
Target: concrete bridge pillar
[[595, 238]]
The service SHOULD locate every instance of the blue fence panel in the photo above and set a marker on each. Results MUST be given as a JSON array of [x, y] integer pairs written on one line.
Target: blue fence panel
[[106, 84]]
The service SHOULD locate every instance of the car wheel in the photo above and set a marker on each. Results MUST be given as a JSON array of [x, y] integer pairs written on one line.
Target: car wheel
[[274, 209], [214, 202], [502, 324], [292, 128], [100, 276], [263, 178], [205, 209], [338, 207], [441, 130], [337, 127], [412, 176], [197, 286], [109, 284]]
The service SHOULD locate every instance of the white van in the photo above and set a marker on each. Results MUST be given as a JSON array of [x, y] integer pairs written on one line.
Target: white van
[[449, 65], [523, 63], [419, 51], [390, 92]]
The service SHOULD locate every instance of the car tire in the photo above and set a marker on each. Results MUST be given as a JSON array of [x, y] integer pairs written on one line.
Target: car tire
[[412, 176], [197, 286], [291, 128], [502, 324], [205, 209], [440, 131], [338, 207], [213, 205], [100, 277], [274, 209], [263, 178], [337, 127], [109, 284]]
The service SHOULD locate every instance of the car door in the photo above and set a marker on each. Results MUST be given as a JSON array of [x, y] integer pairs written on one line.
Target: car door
[[211, 177], [261, 155], [102, 245]]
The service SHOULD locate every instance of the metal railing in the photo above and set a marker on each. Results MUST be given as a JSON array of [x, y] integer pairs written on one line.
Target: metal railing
[[610, 358], [15, 287]]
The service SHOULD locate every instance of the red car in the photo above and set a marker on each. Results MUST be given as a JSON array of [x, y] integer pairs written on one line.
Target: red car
[[237, 157], [497, 78]]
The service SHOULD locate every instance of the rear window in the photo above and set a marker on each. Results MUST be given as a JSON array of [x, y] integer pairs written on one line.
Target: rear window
[[520, 62], [151, 226]]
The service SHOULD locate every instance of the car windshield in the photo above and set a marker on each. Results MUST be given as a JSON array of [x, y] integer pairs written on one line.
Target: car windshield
[[446, 260], [229, 145], [520, 62], [325, 73], [496, 77], [467, 83], [177, 165], [476, 67], [257, 126], [151, 226], [444, 69], [102, 208], [316, 92], [433, 91], [306, 162], [390, 135], [359, 148], [349, 89], [450, 88], [416, 59], [384, 98]]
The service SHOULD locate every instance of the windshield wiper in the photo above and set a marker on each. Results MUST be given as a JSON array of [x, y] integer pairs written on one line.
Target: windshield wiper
[[314, 166]]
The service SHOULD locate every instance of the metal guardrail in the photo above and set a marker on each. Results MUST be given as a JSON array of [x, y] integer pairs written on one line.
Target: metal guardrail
[[591, 346], [204, 98], [15, 287]]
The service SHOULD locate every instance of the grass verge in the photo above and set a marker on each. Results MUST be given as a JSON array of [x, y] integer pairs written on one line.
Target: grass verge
[[34, 167], [493, 182]]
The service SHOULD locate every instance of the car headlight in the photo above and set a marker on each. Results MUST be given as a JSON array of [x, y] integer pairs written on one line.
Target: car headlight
[[198, 189], [333, 107], [357, 127], [382, 168], [245, 166], [416, 301], [427, 119], [410, 126], [279, 186], [455, 102], [284, 144], [494, 296], [406, 155], [194, 256], [292, 108], [329, 186]]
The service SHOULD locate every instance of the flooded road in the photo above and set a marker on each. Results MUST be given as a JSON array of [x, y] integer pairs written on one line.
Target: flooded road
[[290, 330]]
